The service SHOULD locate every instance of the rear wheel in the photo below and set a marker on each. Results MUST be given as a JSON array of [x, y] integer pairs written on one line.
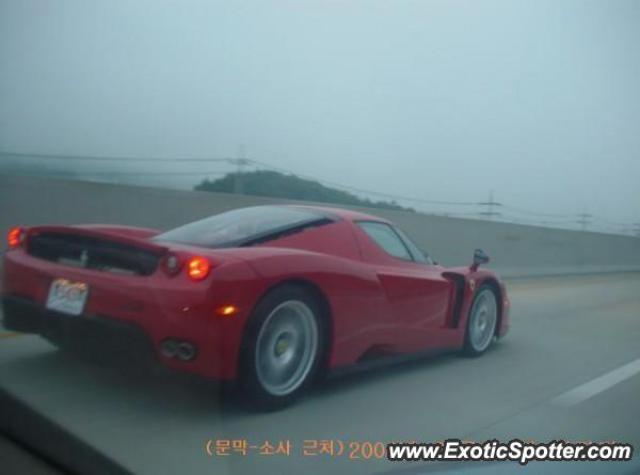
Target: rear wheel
[[482, 321], [282, 347]]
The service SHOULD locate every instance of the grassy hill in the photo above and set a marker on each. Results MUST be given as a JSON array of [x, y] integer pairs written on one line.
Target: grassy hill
[[278, 185]]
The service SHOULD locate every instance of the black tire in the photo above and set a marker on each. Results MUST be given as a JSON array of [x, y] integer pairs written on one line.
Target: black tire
[[253, 388], [472, 348]]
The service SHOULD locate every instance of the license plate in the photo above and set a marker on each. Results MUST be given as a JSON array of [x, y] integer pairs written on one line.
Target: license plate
[[68, 297]]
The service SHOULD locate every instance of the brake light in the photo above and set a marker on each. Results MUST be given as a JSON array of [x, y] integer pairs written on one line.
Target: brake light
[[198, 268], [15, 237]]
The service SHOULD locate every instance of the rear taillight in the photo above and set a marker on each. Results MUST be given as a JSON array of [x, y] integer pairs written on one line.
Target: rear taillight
[[198, 268], [15, 237]]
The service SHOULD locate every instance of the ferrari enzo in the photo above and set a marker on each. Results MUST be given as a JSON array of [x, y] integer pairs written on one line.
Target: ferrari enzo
[[270, 297]]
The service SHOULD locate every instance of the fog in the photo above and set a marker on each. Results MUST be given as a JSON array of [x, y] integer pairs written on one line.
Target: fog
[[443, 100]]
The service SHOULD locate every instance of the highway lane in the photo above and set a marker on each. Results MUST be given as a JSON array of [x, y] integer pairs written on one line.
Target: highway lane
[[566, 331]]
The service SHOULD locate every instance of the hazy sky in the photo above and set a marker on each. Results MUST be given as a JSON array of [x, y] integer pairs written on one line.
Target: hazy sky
[[538, 100]]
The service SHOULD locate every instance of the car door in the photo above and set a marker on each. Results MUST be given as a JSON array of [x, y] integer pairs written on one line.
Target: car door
[[417, 295]]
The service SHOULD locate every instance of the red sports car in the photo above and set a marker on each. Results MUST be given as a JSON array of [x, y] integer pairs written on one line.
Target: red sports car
[[271, 296]]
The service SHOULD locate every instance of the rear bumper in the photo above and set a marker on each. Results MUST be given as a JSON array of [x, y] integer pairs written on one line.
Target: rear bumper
[[104, 337], [134, 316], [110, 340]]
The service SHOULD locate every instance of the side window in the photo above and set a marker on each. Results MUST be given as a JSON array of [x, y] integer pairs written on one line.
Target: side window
[[385, 237], [417, 253]]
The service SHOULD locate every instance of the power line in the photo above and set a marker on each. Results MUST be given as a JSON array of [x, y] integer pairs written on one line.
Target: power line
[[115, 159], [611, 223], [107, 173], [362, 190], [246, 161], [544, 222], [535, 213], [490, 212]]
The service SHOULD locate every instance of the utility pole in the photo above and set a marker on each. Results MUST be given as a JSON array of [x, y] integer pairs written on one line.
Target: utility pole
[[241, 162], [489, 212], [584, 219]]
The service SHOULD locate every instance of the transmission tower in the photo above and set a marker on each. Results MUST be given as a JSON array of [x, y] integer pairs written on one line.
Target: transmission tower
[[490, 205], [584, 219]]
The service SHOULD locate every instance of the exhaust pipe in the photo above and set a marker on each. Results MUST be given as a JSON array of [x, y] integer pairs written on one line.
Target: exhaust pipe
[[169, 348], [186, 351], [182, 350]]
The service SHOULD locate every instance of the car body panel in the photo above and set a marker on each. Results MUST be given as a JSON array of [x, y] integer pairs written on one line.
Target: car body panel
[[377, 304]]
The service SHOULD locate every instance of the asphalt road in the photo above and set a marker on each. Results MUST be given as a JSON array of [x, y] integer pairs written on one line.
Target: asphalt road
[[567, 333]]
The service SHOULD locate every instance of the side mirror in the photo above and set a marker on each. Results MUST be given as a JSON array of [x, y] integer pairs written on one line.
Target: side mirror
[[479, 257]]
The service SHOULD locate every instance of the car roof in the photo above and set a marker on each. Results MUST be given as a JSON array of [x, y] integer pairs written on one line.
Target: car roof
[[347, 214]]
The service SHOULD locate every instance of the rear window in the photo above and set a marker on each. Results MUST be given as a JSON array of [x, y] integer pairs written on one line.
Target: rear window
[[244, 226]]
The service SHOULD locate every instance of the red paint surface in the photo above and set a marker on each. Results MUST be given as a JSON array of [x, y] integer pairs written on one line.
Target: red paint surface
[[376, 302]]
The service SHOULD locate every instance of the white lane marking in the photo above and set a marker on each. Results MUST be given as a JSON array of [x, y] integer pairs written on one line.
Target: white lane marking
[[596, 386]]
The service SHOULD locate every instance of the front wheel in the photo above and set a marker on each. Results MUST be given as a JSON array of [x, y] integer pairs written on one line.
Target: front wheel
[[482, 321], [282, 348]]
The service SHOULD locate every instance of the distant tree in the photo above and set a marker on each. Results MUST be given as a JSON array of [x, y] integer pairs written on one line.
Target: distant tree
[[278, 185]]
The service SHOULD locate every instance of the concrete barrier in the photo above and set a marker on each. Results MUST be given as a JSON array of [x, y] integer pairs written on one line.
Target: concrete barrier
[[516, 250]]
